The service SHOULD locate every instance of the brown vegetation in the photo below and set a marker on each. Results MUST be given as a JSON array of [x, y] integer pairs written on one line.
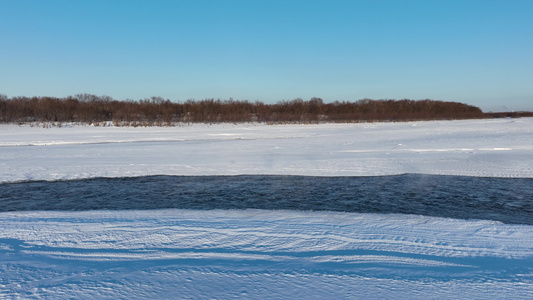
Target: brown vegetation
[[514, 114], [156, 111]]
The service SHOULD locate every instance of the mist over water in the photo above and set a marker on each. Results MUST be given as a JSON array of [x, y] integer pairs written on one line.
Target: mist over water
[[500, 199]]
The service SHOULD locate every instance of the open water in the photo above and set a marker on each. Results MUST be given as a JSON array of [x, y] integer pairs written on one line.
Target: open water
[[509, 200]]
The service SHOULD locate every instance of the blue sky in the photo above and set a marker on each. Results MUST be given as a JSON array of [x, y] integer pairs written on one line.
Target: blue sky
[[477, 52]]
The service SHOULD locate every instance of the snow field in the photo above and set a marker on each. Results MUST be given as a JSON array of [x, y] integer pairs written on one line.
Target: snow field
[[260, 254], [257, 254], [491, 148]]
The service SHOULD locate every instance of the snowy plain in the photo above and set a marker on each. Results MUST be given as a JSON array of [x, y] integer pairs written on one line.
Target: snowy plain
[[491, 148], [258, 254]]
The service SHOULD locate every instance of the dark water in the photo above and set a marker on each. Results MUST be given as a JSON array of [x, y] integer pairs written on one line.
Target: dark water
[[501, 199]]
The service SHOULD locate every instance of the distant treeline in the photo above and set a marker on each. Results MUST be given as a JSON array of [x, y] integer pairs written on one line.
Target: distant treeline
[[156, 111]]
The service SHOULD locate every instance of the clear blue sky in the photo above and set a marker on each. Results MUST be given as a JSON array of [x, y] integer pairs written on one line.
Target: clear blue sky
[[477, 52]]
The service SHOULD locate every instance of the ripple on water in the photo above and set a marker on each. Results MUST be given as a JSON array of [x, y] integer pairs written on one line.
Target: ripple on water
[[509, 200]]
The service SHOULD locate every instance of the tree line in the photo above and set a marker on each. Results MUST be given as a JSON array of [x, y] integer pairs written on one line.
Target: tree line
[[156, 111]]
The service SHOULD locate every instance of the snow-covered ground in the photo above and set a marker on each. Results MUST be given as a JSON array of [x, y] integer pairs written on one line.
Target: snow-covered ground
[[257, 254], [254, 254], [494, 148]]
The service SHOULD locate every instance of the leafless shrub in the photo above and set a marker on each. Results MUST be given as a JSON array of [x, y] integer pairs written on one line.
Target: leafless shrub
[[156, 111]]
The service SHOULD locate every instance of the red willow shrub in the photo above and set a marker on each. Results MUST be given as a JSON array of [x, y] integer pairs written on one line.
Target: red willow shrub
[[156, 111]]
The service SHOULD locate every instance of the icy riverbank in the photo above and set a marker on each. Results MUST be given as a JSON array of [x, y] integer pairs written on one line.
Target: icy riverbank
[[264, 254], [491, 148], [257, 254]]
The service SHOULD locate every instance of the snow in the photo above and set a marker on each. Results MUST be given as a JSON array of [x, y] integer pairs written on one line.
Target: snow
[[489, 148], [258, 254], [261, 254]]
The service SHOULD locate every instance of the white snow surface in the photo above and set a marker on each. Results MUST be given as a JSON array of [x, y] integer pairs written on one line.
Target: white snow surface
[[492, 148], [258, 254]]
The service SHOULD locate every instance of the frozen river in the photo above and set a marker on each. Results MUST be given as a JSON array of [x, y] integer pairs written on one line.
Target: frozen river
[[319, 227], [490, 148]]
